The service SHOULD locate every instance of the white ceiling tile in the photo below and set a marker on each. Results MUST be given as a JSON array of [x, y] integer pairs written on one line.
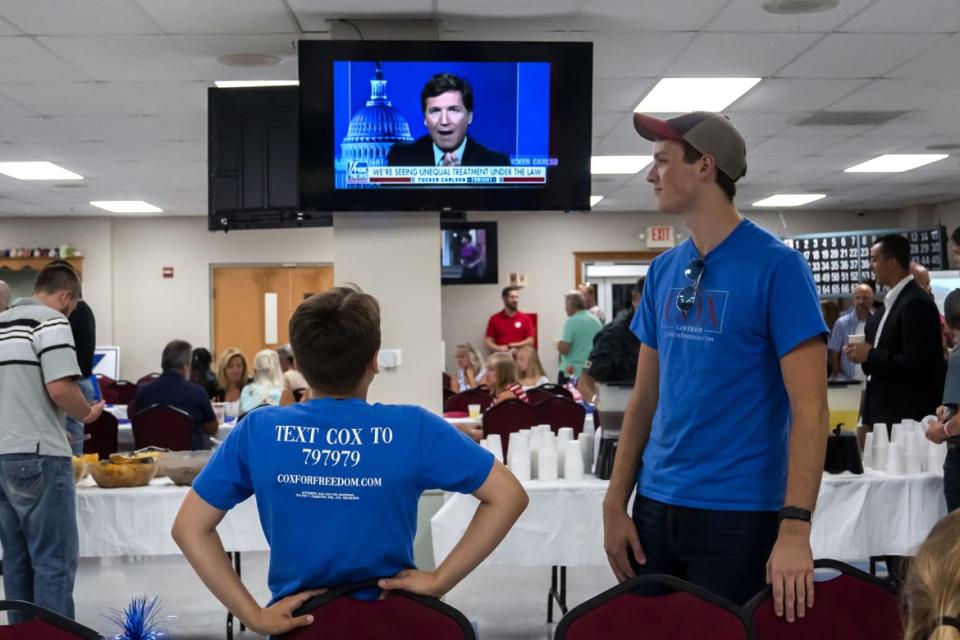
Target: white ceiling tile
[[858, 147], [630, 15], [123, 129], [622, 55], [795, 94], [746, 15], [933, 16], [604, 122], [314, 16], [835, 132], [10, 108], [110, 98], [753, 124], [202, 52], [220, 16], [89, 17], [921, 124], [7, 29], [791, 146], [125, 58], [901, 94], [940, 62], [758, 164], [858, 55], [751, 55], [619, 94], [23, 60], [501, 9], [498, 35], [620, 146]]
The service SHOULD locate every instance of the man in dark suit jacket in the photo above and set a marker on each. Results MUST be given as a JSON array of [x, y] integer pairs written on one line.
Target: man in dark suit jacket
[[447, 103], [902, 355]]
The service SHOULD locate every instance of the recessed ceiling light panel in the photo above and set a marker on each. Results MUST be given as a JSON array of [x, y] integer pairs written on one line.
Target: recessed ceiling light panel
[[595, 200], [896, 162], [126, 206], [618, 164], [41, 170], [789, 200], [680, 95]]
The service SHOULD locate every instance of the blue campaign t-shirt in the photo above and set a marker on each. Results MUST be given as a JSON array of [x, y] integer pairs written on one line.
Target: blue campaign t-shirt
[[720, 433], [337, 484]]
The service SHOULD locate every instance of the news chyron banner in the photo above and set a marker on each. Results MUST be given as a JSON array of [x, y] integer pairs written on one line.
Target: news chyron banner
[[361, 174]]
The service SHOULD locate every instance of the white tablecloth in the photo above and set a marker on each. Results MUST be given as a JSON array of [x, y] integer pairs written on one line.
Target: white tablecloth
[[137, 521], [856, 517]]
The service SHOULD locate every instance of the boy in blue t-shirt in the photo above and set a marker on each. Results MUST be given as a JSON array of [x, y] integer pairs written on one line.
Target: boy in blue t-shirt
[[337, 480]]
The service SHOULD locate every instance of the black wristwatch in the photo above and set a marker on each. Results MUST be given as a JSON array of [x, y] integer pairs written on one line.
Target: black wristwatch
[[794, 513]]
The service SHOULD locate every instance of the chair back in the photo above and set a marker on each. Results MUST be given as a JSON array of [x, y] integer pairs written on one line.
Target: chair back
[[126, 391], [508, 417], [854, 605], [162, 426], [42, 625], [653, 607], [447, 394], [150, 377], [561, 412], [536, 395], [462, 401], [337, 616], [103, 436], [556, 390], [103, 381]]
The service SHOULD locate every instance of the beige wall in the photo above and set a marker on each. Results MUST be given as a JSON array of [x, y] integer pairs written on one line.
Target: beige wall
[[92, 236], [396, 258], [150, 310], [542, 246]]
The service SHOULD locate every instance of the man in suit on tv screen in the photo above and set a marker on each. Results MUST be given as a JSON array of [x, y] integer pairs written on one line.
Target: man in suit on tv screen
[[447, 103]]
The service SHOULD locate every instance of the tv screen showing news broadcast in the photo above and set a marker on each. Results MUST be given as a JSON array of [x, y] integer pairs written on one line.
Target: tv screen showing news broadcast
[[403, 125], [445, 125]]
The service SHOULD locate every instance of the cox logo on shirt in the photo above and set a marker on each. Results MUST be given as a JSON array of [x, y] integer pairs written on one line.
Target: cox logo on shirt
[[707, 313]]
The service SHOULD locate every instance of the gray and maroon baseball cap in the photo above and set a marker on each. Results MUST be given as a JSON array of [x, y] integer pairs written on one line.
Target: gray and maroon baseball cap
[[708, 133]]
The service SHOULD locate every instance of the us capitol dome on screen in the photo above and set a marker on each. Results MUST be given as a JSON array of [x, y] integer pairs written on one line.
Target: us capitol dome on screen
[[372, 131]]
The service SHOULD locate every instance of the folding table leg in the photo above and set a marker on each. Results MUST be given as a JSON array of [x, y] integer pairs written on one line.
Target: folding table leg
[[229, 615], [236, 565]]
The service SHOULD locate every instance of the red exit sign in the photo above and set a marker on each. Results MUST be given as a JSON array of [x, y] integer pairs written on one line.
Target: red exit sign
[[661, 237]]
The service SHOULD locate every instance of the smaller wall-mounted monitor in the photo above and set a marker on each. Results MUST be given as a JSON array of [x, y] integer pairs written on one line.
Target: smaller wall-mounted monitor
[[468, 253]]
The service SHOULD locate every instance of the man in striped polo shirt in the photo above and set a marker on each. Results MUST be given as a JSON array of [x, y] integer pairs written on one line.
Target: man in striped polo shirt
[[38, 369]]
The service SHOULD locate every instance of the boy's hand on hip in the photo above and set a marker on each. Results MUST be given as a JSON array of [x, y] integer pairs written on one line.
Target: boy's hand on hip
[[790, 570], [425, 583], [278, 618]]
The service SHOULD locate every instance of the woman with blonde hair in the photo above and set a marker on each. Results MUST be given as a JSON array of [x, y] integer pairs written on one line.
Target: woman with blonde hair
[[932, 588], [469, 368], [267, 385], [529, 370], [232, 374], [502, 379]]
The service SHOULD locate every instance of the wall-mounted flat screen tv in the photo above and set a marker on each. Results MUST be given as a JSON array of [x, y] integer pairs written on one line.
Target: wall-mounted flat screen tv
[[445, 125], [468, 253]]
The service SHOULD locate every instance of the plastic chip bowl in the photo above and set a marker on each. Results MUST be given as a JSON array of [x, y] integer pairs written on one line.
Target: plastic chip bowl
[[113, 475], [183, 466]]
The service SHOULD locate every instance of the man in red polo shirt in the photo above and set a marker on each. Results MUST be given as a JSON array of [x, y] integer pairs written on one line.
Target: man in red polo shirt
[[510, 328]]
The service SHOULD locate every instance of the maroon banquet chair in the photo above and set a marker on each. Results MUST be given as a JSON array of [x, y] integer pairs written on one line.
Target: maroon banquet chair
[[536, 395], [150, 377], [508, 417], [853, 605], [126, 391], [462, 401], [103, 436], [42, 625], [103, 381], [655, 607], [162, 426], [556, 390], [338, 616], [561, 412]]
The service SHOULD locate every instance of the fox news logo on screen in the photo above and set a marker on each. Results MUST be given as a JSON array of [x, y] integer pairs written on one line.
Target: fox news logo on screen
[[358, 173]]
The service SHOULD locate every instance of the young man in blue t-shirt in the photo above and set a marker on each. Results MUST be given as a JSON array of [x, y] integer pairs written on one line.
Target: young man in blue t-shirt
[[725, 434], [337, 479]]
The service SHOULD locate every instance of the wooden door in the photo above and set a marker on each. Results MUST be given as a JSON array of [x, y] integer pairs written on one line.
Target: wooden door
[[241, 306]]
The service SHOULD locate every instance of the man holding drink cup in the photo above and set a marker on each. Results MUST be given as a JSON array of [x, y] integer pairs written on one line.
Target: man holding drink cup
[[849, 329]]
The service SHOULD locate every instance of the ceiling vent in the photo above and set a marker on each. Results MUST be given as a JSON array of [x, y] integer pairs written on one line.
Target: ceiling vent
[[793, 7], [850, 118]]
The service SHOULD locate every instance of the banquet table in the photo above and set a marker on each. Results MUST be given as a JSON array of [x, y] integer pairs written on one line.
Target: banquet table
[[857, 516], [588, 426]]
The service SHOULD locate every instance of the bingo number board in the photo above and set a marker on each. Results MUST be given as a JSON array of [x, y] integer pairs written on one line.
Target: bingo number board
[[840, 260]]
